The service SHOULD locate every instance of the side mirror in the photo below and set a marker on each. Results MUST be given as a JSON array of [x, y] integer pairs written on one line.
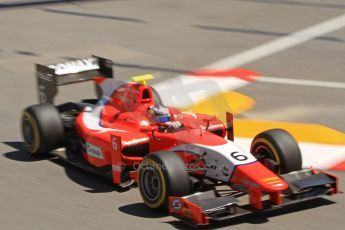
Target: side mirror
[[230, 126], [208, 120], [149, 129], [152, 130]]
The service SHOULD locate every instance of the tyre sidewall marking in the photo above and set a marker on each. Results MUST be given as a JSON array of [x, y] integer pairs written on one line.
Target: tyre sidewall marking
[[27, 116], [153, 163], [269, 144]]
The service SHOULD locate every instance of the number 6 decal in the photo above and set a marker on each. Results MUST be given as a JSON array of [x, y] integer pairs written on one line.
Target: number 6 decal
[[238, 156], [114, 143]]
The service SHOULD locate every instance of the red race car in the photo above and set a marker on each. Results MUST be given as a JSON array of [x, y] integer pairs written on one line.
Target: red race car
[[183, 163]]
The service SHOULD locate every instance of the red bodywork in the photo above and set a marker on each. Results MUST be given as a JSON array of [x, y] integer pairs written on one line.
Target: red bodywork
[[124, 124], [118, 132]]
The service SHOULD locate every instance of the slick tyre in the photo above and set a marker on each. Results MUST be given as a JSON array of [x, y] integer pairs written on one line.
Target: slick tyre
[[161, 175], [277, 150], [42, 129]]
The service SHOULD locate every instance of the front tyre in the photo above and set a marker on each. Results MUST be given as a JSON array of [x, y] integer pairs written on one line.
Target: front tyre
[[161, 175], [277, 150], [42, 129]]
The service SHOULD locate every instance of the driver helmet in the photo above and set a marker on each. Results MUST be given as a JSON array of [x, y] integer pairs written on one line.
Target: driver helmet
[[159, 114]]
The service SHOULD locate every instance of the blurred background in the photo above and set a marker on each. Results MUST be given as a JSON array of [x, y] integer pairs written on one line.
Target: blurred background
[[289, 57]]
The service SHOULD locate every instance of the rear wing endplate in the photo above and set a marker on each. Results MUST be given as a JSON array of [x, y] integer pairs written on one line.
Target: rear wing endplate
[[51, 76]]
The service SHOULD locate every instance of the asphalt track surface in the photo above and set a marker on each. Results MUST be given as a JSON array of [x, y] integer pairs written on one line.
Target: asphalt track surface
[[166, 38]]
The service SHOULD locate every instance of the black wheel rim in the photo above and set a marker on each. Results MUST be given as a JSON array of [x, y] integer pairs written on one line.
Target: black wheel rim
[[265, 156], [151, 184]]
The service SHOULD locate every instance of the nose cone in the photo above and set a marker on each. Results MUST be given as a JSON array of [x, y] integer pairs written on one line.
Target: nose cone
[[255, 175]]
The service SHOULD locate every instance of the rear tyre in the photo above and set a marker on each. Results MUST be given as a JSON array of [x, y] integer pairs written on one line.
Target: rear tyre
[[161, 175], [277, 150], [42, 129]]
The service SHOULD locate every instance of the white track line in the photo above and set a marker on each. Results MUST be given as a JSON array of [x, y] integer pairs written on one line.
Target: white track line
[[302, 82], [188, 84], [279, 44]]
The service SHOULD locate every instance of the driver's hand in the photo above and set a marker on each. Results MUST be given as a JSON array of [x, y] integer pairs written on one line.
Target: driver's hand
[[174, 124]]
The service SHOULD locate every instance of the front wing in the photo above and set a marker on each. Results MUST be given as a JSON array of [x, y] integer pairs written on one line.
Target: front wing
[[203, 207]]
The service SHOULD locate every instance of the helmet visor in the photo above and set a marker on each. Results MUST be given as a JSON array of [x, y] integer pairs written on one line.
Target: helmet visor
[[163, 118]]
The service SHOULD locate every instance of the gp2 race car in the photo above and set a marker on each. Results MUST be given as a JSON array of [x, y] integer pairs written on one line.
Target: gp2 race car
[[183, 163]]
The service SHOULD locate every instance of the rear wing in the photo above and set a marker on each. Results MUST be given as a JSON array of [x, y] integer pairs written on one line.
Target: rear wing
[[51, 76]]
